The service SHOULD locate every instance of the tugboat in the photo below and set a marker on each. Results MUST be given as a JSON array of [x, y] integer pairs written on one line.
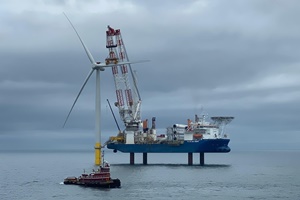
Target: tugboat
[[98, 178]]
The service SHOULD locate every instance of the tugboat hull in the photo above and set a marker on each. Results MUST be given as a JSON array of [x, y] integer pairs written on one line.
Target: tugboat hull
[[113, 183]]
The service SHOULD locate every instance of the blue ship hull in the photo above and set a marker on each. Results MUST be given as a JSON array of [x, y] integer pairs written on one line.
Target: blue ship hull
[[193, 146]]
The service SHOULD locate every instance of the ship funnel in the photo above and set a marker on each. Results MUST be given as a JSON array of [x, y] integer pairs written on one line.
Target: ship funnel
[[153, 123], [145, 125]]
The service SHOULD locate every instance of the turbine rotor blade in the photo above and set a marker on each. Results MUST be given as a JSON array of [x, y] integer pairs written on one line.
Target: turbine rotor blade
[[121, 63], [88, 53], [138, 61], [83, 85]]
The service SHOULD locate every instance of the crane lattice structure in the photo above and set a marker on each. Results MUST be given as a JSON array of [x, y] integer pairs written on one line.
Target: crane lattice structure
[[129, 110]]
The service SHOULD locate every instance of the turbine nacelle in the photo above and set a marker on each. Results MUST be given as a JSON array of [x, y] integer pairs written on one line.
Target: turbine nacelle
[[102, 66], [98, 66]]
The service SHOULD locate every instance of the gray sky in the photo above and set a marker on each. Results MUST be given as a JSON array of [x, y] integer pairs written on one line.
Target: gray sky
[[233, 58]]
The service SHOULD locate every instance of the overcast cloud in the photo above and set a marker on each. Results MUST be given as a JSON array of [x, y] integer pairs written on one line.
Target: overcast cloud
[[231, 58]]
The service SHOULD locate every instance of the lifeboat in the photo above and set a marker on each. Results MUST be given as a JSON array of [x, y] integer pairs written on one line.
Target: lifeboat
[[198, 136]]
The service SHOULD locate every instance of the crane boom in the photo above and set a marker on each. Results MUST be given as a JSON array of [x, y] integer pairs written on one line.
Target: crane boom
[[129, 109]]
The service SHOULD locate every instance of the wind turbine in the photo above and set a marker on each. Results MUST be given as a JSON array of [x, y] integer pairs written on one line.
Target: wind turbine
[[96, 66]]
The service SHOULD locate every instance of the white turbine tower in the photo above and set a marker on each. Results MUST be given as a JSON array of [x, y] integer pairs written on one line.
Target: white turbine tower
[[96, 66]]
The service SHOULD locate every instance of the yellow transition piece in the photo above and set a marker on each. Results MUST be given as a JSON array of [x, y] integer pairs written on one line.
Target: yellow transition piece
[[97, 153]]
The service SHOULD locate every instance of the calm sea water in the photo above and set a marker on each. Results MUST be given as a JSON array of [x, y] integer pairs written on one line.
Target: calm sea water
[[236, 175]]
